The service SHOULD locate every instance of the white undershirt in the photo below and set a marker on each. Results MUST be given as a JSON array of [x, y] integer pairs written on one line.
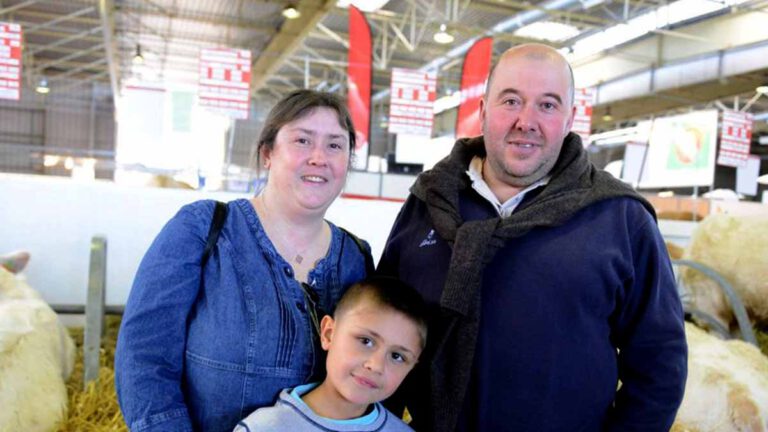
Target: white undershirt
[[475, 173]]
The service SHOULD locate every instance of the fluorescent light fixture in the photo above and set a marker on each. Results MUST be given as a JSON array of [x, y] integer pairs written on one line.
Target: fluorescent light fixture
[[50, 160], [363, 5], [138, 58], [446, 102], [442, 36], [763, 89], [763, 179], [548, 30], [290, 12], [69, 163], [42, 87]]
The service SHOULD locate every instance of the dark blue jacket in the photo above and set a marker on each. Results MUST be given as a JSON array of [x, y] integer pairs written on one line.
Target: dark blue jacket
[[565, 312]]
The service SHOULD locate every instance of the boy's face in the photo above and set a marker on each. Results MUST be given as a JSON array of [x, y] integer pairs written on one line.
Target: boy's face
[[370, 351]]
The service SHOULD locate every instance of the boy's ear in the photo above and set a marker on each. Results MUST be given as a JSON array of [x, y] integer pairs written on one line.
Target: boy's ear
[[326, 331]]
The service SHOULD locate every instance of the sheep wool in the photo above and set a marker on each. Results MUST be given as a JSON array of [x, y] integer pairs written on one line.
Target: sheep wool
[[737, 248], [36, 357], [727, 386]]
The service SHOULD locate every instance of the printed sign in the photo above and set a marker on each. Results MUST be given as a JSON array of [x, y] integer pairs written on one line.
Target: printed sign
[[583, 100], [413, 95], [735, 136], [10, 61], [225, 80]]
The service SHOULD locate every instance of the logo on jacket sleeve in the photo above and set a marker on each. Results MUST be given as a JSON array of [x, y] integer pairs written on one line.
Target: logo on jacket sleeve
[[429, 240]]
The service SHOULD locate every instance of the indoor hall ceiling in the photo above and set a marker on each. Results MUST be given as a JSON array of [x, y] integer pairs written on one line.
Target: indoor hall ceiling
[[88, 40]]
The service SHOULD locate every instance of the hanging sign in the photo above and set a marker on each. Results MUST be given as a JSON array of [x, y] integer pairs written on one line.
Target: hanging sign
[[225, 81], [735, 137], [10, 61], [582, 121], [412, 98]]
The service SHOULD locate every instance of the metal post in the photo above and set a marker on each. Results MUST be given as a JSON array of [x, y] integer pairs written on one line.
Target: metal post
[[94, 309]]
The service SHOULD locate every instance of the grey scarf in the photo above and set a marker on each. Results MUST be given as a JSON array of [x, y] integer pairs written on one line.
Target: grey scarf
[[575, 184]]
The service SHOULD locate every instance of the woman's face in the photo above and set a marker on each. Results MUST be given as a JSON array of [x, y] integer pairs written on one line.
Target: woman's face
[[309, 160]]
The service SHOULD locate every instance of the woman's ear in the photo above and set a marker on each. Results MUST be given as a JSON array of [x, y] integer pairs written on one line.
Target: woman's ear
[[326, 331], [266, 156]]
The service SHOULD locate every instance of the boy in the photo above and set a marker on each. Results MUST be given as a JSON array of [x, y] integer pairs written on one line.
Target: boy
[[374, 339]]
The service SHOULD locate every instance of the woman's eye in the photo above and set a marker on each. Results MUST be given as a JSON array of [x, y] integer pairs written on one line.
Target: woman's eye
[[398, 357], [336, 146], [302, 141]]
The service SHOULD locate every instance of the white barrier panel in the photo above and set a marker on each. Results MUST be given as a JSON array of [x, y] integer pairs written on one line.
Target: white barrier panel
[[54, 219]]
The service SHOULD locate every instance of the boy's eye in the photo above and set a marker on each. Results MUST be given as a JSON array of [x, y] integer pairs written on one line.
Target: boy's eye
[[336, 146], [396, 356], [365, 341]]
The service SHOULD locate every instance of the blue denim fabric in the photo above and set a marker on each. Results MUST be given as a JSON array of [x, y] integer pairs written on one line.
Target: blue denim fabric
[[195, 355]]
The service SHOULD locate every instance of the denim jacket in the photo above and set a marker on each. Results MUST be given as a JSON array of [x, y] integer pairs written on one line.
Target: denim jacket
[[199, 349]]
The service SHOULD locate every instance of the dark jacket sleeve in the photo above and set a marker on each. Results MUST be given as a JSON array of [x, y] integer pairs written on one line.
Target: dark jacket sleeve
[[414, 391], [649, 333], [149, 356]]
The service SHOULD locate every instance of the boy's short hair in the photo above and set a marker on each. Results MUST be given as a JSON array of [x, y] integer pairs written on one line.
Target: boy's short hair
[[387, 292]]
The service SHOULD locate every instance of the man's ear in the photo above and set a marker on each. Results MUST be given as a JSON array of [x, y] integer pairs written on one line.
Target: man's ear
[[326, 331], [481, 111]]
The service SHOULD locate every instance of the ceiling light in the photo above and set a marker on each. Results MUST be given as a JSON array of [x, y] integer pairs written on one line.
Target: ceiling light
[[763, 89], [363, 5], [763, 179], [138, 58], [607, 116], [443, 37], [42, 87], [548, 30], [290, 12]]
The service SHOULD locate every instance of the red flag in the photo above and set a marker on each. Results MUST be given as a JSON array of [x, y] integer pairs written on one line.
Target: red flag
[[474, 73], [359, 76]]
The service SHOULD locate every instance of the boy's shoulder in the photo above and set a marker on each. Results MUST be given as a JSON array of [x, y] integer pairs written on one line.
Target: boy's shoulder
[[392, 422], [287, 415]]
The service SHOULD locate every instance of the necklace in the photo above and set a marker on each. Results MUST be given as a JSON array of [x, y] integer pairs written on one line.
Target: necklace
[[279, 241]]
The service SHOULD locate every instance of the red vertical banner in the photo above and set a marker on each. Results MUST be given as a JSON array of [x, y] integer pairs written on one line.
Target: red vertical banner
[[10, 61], [474, 73], [359, 76]]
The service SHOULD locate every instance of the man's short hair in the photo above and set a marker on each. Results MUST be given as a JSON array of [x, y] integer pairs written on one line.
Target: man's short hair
[[571, 87], [387, 292]]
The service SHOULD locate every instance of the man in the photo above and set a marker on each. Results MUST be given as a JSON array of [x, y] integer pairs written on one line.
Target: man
[[549, 281]]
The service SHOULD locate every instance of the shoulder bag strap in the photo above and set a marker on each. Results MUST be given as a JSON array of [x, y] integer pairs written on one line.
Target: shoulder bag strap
[[219, 216]]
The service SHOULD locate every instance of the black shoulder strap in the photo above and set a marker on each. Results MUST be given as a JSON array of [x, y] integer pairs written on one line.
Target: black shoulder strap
[[219, 216], [369, 267]]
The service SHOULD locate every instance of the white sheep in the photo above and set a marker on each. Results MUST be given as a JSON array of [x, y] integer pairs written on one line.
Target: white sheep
[[37, 355], [727, 386], [737, 248]]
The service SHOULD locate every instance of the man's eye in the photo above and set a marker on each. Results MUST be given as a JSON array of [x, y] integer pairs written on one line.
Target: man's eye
[[548, 106]]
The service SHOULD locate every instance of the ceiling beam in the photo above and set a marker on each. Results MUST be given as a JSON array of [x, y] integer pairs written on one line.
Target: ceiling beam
[[288, 39]]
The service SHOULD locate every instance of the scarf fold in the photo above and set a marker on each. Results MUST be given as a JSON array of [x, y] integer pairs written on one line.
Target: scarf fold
[[575, 184]]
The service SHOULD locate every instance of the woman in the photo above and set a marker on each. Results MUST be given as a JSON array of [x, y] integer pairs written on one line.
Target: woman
[[201, 346]]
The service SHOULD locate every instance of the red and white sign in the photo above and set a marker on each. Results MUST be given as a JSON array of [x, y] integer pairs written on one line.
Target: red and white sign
[[225, 81], [735, 136], [583, 100], [10, 61], [412, 98]]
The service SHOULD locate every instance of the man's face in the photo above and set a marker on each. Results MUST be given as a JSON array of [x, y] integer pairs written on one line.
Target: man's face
[[526, 114]]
